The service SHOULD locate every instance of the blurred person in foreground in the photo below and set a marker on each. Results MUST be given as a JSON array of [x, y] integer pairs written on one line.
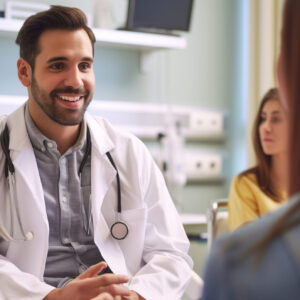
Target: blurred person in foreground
[[262, 260], [262, 189]]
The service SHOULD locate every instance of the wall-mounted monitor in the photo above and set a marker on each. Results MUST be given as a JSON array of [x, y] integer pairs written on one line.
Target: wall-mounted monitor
[[162, 16]]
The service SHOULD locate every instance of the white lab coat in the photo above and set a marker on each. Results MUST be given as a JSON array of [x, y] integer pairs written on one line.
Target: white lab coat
[[154, 254]]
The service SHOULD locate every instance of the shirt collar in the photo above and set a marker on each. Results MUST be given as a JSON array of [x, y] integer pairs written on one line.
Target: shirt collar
[[40, 141]]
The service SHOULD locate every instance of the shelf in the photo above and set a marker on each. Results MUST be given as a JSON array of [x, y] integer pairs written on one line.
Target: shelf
[[113, 38], [147, 120], [193, 219], [150, 133], [195, 226], [138, 40], [9, 27], [205, 179], [201, 166], [138, 114]]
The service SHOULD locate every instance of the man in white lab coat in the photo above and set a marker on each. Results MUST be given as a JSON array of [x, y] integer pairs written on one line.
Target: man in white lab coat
[[57, 218]]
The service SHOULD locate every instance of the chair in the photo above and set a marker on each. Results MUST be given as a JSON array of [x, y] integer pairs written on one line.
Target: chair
[[217, 216], [217, 220]]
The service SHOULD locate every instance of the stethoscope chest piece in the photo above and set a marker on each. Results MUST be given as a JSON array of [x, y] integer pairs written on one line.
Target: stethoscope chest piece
[[119, 230]]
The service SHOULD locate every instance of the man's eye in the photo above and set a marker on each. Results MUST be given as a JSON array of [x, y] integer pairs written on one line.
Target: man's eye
[[84, 66], [57, 66]]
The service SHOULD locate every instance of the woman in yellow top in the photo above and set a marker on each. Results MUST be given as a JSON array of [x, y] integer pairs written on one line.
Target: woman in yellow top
[[262, 188]]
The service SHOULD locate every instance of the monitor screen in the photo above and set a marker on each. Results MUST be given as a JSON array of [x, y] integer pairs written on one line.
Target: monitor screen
[[159, 14]]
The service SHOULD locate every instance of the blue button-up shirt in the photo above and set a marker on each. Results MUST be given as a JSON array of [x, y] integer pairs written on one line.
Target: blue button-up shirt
[[71, 246]]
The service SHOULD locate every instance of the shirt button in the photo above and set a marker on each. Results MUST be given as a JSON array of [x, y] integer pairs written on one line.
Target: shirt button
[[50, 145], [64, 199], [66, 241], [43, 149], [82, 268]]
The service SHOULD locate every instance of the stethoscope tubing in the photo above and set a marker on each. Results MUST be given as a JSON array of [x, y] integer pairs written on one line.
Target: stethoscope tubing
[[119, 229], [9, 166], [118, 183]]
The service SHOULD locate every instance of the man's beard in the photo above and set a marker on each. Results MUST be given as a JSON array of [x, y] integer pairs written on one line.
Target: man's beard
[[50, 106]]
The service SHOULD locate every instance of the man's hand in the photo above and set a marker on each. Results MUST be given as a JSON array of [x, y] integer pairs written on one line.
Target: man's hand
[[133, 296], [105, 296], [88, 285]]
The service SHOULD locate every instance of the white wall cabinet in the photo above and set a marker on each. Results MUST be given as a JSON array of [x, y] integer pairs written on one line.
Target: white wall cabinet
[[144, 42], [116, 38]]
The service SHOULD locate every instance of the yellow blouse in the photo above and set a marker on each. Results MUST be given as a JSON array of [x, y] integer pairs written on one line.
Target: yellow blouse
[[246, 201]]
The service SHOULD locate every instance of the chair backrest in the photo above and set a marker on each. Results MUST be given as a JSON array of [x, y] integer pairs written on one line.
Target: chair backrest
[[217, 220]]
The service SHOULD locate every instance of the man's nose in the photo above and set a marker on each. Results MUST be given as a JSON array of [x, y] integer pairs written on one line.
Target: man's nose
[[73, 78]]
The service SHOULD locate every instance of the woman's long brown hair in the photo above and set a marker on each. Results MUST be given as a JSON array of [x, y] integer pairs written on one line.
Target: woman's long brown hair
[[290, 68], [290, 60], [262, 170]]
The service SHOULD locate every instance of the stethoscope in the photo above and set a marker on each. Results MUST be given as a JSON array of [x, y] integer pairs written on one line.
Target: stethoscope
[[119, 229]]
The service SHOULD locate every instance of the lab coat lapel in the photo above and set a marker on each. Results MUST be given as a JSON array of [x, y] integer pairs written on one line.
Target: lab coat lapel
[[24, 160], [102, 171], [103, 174], [30, 197], [102, 177]]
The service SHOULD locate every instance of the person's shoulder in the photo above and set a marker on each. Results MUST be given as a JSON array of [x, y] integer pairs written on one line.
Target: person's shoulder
[[244, 179], [118, 135], [248, 176], [111, 128], [249, 235], [250, 264]]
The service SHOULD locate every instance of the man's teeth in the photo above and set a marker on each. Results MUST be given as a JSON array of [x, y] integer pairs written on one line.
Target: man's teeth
[[68, 98]]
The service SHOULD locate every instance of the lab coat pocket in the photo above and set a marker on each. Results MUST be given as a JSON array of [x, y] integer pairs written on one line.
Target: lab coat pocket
[[132, 246], [135, 219]]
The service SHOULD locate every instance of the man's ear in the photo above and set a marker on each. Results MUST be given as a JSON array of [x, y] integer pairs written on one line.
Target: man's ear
[[24, 72]]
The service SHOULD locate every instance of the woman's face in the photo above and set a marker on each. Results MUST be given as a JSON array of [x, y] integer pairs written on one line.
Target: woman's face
[[273, 128]]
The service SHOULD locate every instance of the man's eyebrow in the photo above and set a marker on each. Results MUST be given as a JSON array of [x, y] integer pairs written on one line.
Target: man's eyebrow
[[87, 58], [57, 58], [63, 58]]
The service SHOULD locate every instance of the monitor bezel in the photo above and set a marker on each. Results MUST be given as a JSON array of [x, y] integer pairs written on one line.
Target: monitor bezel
[[130, 19]]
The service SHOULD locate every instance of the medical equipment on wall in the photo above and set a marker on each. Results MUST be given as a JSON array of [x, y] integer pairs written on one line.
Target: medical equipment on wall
[[172, 159], [119, 230]]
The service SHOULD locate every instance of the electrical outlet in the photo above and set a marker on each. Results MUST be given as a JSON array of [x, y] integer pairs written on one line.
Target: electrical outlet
[[203, 166], [206, 121], [198, 166]]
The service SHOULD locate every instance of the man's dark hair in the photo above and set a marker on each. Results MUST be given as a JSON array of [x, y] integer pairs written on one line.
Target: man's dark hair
[[56, 17]]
